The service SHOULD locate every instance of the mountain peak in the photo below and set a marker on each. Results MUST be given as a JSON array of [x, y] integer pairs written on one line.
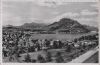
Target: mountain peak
[[68, 24]]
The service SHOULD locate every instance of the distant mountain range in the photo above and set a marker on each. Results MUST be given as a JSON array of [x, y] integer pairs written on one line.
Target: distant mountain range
[[33, 25], [91, 28], [63, 25]]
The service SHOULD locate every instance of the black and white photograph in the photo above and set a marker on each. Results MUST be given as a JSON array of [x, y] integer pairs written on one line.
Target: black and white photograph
[[50, 31]]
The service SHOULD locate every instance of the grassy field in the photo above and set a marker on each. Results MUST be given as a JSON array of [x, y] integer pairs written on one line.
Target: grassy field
[[62, 37]]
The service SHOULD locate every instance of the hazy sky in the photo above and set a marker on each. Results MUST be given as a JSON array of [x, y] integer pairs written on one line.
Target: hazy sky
[[17, 12]]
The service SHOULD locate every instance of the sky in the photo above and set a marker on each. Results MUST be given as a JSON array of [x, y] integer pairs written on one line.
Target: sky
[[18, 12]]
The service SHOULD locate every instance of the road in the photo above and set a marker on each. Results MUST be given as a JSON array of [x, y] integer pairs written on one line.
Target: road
[[85, 58]]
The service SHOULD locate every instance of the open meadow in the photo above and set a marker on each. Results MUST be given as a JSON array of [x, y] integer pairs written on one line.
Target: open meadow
[[62, 37]]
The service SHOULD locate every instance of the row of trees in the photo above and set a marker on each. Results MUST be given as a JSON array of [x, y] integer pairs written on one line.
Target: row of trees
[[47, 58], [88, 37]]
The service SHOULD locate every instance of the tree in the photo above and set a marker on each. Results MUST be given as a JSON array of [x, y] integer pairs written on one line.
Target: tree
[[27, 58], [40, 59], [59, 58], [33, 61], [68, 48], [48, 57], [75, 40]]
